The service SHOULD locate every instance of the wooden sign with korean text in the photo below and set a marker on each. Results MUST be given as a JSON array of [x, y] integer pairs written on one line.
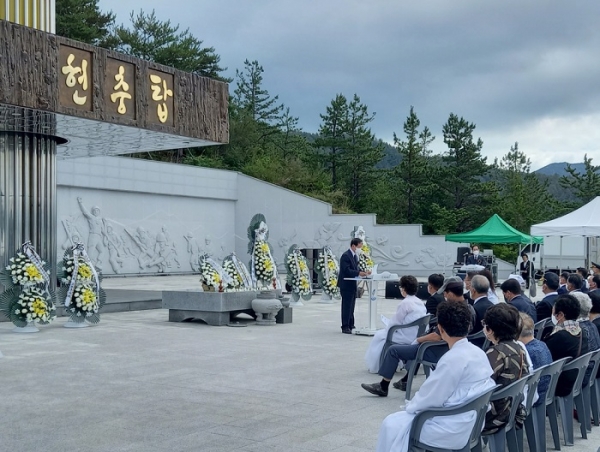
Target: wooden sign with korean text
[[75, 78], [160, 98], [119, 88]]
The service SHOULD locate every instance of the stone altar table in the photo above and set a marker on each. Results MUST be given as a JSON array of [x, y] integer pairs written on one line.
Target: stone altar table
[[214, 308]]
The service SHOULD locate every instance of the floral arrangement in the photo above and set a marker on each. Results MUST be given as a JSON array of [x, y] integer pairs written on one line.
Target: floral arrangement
[[365, 262], [262, 264], [27, 297], [80, 286], [327, 269], [32, 306], [212, 274], [264, 267], [298, 275], [23, 271], [240, 278]]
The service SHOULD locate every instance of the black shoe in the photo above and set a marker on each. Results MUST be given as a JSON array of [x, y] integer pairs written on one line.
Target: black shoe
[[375, 388], [347, 331], [400, 384]]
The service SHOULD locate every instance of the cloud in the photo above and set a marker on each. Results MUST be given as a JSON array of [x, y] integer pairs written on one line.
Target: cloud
[[522, 71]]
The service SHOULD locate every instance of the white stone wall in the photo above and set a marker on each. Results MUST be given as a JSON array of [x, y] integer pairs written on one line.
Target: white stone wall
[[205, 210]]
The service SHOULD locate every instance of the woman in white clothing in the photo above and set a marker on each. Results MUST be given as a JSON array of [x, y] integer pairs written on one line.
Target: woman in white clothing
[[448, 386], [409, 309]]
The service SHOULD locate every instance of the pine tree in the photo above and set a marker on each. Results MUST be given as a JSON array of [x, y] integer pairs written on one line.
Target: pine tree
[[460, 176], [83, 21], [525, 199], [332, 137], [252, 98], [586, 185], [413, 174], [152, 39]]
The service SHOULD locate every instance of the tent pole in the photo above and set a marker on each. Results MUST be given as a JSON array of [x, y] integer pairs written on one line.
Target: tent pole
[[445, 256], [560, 258]]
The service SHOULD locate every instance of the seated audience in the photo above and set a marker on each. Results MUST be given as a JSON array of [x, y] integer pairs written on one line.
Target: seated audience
[[585, 288], [467, 294], [589, 329], [511, 290], [574, 283], [564, 276], [434, 282], [479, 291], [448, 386], [566, 340], [595, 311], [594, 282], [543, 308], [452, 290], [409, 309], [492, 290], [506, 356], [538, 351]]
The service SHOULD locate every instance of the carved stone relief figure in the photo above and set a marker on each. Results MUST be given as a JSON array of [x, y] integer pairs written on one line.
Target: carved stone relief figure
[[144, 243], [113, 242], [95, 247], [163, 256], [194, 250], [73, 235]]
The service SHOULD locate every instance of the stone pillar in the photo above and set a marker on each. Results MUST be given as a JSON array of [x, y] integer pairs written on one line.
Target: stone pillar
[[28, 183], [28, 157], [38, 14]]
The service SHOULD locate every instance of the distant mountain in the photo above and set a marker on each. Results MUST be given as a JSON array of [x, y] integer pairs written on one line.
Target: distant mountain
[[559, 169]]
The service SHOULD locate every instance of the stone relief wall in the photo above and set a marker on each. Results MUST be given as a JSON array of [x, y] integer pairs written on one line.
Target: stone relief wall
[[144, 234], [143, 217]]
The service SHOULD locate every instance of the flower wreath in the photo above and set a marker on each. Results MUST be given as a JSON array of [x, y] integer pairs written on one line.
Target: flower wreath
[[365, 261], [80, 289], [27, 297], [212, 274], [327, 269], [240, 278], [263, 264], [298, 275]]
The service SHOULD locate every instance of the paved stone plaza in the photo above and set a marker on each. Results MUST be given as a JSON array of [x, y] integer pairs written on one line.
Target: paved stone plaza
[[139, 383]]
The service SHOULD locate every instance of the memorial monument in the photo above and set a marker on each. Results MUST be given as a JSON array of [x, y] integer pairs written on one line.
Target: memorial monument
[[62, 99]]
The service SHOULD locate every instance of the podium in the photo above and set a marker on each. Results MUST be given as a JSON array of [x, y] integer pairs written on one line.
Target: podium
[[372, 283]]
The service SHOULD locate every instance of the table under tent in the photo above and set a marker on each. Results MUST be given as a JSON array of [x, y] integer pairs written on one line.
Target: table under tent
[[495, 230]]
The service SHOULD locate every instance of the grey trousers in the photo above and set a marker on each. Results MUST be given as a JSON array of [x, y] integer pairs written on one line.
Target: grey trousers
[[397, 353]]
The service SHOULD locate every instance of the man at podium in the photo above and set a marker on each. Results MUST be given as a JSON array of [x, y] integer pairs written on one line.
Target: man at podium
[[475, 258]]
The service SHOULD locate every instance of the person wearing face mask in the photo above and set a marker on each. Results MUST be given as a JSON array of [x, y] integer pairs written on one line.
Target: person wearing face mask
[[462, 374], [543, 308], [511, 289], [566, 340], [349, 269], [595, 311], [501, 326], [475, 258]]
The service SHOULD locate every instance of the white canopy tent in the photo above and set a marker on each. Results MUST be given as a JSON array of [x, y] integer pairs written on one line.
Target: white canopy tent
[[583, 222]]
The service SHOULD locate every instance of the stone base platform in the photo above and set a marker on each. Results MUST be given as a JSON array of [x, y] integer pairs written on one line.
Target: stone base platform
[[214, 308]]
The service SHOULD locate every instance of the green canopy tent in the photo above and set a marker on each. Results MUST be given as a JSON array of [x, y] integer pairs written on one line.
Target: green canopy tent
[[495, 230]]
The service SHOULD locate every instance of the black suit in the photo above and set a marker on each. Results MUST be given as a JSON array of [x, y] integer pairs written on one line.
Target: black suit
[[562, 289], [475, 260], [544, 307], [432, 303], [348, 269], [480, 307], [524, 304]]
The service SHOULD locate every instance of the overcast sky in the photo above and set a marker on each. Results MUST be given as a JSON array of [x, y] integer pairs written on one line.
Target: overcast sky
[[521, 71]]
